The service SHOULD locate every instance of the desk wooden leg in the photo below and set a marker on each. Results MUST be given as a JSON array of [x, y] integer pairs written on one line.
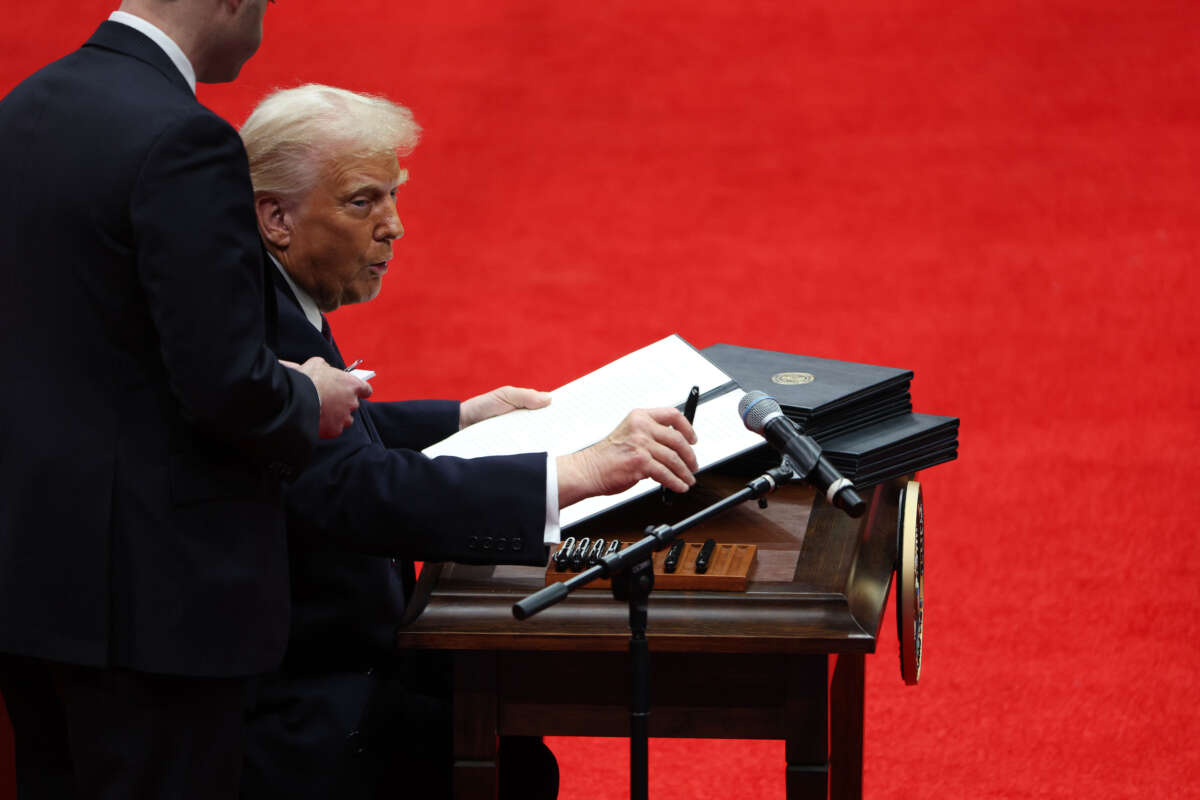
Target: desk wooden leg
[[807, 723], [846, 727], [475, 743]]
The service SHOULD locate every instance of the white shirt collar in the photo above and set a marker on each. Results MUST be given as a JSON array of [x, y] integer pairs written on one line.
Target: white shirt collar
[[165, 42], [307, 304]]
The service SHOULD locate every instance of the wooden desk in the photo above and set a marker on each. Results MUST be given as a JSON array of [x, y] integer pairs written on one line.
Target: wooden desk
[[783, 660]]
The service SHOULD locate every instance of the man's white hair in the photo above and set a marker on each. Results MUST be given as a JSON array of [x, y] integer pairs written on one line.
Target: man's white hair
[[292, 133]]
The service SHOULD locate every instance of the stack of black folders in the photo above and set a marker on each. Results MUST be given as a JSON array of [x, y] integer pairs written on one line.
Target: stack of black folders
[[860, 414]]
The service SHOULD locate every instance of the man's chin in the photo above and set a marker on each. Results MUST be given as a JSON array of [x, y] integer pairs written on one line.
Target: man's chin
[[368, 294]]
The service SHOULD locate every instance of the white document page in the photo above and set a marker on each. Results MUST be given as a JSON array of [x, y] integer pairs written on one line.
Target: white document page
[[587, 409]]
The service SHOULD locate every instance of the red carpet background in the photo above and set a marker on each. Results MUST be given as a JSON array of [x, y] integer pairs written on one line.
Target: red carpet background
[[1001, 197]]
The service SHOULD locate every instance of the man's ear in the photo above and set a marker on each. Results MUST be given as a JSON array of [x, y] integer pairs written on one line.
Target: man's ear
[[274, 223]]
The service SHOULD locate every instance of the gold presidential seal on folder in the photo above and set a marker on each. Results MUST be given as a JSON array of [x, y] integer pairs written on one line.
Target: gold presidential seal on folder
[[792, 378]]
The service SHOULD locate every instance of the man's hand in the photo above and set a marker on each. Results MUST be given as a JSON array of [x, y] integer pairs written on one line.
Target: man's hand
[[649, 443], [339, 392], [499, 401]]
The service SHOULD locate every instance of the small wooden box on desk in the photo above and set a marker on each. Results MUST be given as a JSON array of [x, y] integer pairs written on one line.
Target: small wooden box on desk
[[788, 651], [728, 569]]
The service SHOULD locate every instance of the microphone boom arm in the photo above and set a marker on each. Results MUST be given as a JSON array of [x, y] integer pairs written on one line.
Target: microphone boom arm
[[656, 538]]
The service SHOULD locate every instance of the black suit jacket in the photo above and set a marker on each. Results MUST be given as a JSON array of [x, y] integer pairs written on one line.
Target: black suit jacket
[[369, 504], [144, 424]]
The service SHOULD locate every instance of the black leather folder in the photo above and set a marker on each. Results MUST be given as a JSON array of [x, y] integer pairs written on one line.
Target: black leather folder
[[860, 414], [810, 389], [895, 436], [894, 447]]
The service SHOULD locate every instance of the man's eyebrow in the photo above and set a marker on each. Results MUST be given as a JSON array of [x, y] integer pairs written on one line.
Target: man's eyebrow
[[368, 187]]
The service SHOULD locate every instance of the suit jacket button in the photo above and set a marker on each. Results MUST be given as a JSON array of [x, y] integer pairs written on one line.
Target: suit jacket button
[[515, 544], [473, 543], [487, 543], [281, 470]]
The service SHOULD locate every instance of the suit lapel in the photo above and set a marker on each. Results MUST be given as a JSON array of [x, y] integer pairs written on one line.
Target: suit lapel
[[327, 349]]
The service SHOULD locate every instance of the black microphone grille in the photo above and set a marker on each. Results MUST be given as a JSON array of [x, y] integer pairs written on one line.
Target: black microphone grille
[[755, 407]]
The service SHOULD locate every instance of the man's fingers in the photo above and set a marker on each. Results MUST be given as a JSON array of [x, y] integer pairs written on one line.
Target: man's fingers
[[668, 447], [670, 428], [669, 469], [674, 418], [500, 401], [519, 397], [679, 446], [675, 481], [340, 392]]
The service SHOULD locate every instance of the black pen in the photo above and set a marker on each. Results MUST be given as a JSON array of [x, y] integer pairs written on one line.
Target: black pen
[[672, 559], [689, 408], [704, 555], [689, 413]]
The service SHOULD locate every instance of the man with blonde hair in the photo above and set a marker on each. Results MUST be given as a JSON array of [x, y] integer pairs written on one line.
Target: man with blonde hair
[[346, 715], [143, 570]]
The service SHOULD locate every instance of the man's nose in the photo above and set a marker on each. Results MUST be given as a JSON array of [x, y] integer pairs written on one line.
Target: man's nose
[[390, 227]]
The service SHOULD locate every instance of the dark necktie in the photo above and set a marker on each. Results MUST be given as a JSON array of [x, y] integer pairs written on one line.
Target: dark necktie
[[341, 362], [328, 334]]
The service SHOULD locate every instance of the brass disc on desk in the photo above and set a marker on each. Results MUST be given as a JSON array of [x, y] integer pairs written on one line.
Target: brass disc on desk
[[910, 580]]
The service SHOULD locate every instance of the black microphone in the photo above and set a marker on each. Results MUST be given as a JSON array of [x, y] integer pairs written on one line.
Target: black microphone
[[761, 413]]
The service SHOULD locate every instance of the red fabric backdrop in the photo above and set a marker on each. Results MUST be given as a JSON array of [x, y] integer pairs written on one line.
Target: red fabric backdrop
[[997, 196]]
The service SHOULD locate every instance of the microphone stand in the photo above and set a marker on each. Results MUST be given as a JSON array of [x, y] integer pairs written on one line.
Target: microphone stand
[[632, 573]]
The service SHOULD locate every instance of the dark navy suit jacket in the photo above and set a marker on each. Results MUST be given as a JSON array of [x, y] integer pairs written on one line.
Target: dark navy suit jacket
[[336, 718], [370, 503], [143, 422]]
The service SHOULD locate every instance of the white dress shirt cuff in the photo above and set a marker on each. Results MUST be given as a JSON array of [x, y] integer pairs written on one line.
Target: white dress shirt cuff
[[552, 533]]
